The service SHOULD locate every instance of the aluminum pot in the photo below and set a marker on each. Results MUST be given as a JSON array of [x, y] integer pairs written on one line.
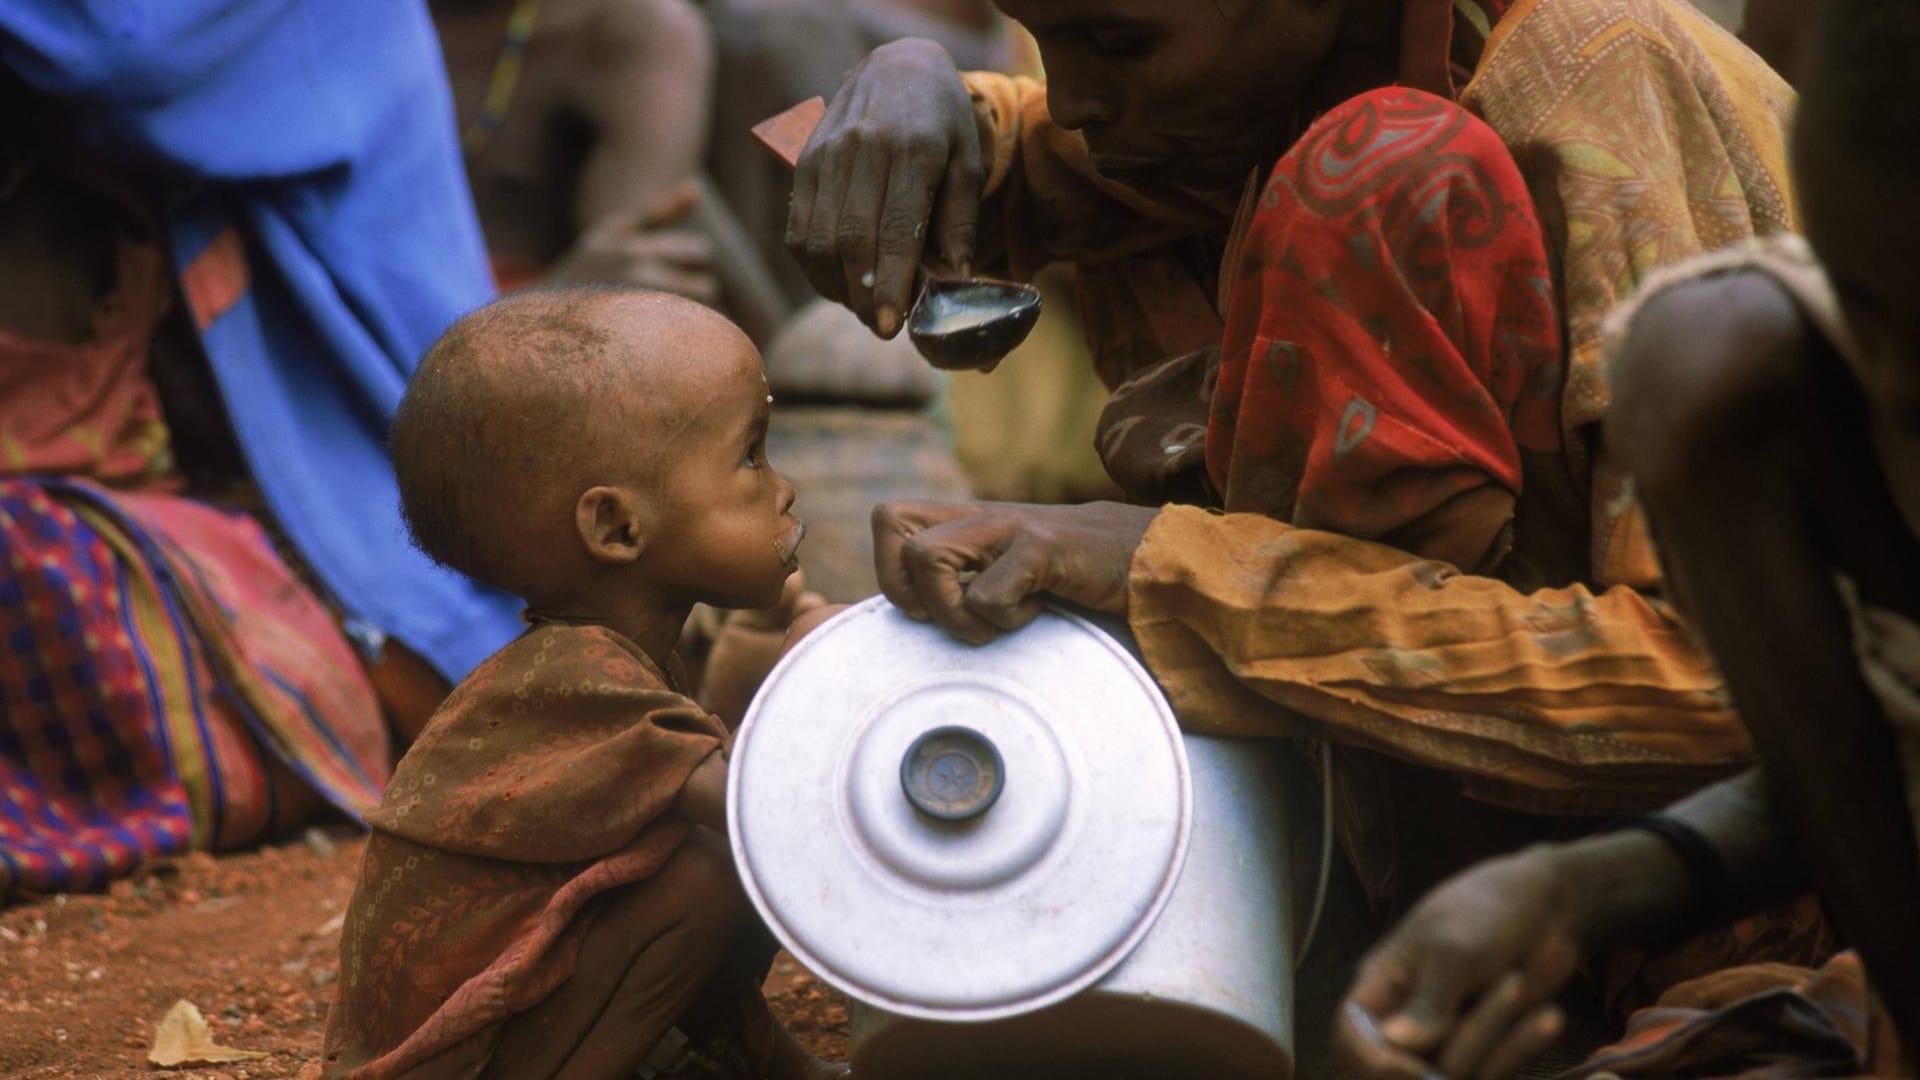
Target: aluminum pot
[[1012, 860]]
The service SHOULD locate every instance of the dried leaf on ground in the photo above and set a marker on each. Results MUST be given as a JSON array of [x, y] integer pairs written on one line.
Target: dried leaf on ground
[[183, 1037]]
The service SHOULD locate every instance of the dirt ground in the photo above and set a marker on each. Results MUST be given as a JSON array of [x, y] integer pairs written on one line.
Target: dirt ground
[[252, 939]]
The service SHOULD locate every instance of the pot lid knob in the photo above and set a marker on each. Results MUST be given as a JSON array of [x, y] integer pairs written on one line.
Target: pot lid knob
[[952, 773]]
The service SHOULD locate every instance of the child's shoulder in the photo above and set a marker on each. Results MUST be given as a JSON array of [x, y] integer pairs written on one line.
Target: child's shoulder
[[551, 650], [554, 665], [557, 697]]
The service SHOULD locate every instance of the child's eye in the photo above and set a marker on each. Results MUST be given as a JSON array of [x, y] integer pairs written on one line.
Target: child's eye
[[756, 454]]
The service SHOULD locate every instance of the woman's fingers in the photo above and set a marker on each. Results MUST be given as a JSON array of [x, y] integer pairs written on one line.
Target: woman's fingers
[[1357, 1037], [856, 230], [957, 213], [824, 258], [899, 130], [801, 202], [1007, 592], [1486, 1026], [940, 562], [1524, 1042], [981, 569], [895, 523], [900, 238]]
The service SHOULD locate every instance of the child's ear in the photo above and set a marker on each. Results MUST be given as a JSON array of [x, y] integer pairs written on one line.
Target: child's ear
[[613, 523]]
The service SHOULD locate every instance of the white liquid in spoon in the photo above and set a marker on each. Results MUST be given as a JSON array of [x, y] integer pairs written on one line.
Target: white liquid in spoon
[[954, 320]]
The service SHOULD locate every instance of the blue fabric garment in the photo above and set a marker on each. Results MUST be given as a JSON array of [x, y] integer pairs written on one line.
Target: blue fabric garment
[[322, 130]]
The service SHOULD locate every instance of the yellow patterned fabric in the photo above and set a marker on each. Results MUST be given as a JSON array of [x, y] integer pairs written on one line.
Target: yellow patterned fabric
[[1646, 134], [1562, 700]]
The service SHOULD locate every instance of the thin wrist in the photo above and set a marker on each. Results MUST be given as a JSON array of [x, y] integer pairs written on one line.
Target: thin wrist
[[1625, 888]]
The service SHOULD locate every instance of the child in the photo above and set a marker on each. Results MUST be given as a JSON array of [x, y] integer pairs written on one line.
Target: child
[[548, 889]]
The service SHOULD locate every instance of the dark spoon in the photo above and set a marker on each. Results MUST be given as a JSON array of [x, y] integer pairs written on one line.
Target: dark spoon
[[971, 324], [960, 324]]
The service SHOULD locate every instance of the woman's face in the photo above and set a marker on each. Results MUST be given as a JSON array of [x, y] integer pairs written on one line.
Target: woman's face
[[1183, 92]]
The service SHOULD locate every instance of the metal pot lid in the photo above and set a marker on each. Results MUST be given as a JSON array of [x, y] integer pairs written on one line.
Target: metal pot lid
[[956, 832]]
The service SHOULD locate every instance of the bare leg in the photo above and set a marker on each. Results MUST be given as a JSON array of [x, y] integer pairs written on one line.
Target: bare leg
[[650, 951]]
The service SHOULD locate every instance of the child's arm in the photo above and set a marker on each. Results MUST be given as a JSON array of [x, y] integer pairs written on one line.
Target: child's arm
[[747, 646], [703, 798]]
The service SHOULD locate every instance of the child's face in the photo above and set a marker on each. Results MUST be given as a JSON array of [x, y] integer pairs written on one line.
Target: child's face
[[725, 534]]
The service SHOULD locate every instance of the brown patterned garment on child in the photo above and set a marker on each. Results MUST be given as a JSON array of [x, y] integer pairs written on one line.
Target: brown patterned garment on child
[[535, 801]]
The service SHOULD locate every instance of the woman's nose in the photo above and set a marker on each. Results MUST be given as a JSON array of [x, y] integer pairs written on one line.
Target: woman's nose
[[1074, 106]]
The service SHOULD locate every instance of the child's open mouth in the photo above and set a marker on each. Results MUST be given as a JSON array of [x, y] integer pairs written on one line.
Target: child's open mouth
[[788, 546]]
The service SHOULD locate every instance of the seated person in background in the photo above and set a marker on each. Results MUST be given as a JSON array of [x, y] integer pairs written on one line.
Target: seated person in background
[[1769, 409], [586, 127], [169, 681], [548, 887], [582, 123], [309, 209]]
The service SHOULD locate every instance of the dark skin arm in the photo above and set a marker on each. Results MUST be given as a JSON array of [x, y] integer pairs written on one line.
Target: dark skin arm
[[1751, 457], [1742, 435], [1465, 984]]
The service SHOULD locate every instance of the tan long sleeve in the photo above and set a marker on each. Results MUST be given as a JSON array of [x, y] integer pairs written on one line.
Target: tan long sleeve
[[1561, 700]]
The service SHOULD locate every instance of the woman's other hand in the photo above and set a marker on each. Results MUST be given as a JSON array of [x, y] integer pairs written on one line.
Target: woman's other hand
[[896, 157], [1463, 987]]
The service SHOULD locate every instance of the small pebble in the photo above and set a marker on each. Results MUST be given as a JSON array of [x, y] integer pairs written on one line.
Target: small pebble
[[320, 843]]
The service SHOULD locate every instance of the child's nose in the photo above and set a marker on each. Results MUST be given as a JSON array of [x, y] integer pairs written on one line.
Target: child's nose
[[786, 495]]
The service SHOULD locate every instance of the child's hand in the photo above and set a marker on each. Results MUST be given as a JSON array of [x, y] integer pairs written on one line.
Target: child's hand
[[748, 645], [808, 622]]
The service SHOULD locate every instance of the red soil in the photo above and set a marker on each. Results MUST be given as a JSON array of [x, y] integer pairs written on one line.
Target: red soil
[[252, 939]]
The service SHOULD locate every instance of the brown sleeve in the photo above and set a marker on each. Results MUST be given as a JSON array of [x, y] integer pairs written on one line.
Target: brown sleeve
[[1562, 700]]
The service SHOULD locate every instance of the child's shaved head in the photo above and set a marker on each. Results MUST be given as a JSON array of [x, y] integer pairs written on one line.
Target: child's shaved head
[[526, 403]]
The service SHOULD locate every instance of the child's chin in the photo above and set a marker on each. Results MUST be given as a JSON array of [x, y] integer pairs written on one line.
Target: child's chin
[[770, 596]]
